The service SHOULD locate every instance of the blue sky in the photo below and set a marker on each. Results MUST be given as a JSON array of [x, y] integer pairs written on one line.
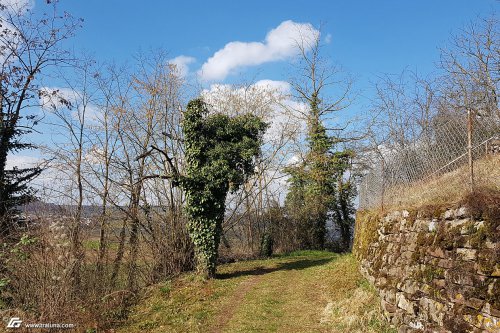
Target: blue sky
[[367, 38]]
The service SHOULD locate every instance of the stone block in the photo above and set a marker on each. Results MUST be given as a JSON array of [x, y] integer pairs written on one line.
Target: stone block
[[458, 298], [411, 237], [449, 214], [496, 271], [393, 216], [417, 325], [488, 309], [381, 282], [461, 212], [479, 224], [467, 254], [397, 318], [421, 225], [474, 303], [391, 308], [487, 323], [390, 295], [394, 271], [432, 225], [402, 226], [490, 245], [439, 283], [424, 304], [437, 311], [406, 256], [445, 263], [409, 287], [436, 252], [457, 222], [405, 304], [460, 277]]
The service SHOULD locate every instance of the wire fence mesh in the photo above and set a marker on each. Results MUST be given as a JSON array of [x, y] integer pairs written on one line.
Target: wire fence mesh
[[442, 148]]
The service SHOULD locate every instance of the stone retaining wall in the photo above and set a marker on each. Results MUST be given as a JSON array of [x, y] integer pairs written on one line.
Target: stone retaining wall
[[435, 272]]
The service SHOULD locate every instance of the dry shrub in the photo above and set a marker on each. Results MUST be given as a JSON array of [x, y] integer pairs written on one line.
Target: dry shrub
[[171, 255], [356, 313], [40, 273], [484, 204]]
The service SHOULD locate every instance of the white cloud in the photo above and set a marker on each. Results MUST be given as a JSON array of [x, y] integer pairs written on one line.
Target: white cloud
[[280, 43], [22, 161], [14, 6], [182, 63], [268, 99], [293, 160], [281, 87], [11, 37], [29, 161], [51, 182]]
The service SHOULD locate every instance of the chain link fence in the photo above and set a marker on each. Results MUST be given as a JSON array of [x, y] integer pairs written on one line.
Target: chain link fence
[[450, 147]]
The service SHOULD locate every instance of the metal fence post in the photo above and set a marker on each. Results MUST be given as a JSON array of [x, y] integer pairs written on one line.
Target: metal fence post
[[469, 148]]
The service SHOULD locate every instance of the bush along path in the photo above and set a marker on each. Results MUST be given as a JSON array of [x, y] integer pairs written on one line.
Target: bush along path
[[307, 291]]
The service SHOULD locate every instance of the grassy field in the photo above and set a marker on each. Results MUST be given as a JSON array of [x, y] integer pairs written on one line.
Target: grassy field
[[309, 291]]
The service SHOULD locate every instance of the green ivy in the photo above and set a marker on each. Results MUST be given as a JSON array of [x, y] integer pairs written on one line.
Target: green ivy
[[220, 154], [318, 190], [19, 249]]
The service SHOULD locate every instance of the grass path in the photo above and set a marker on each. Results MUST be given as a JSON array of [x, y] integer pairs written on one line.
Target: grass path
[[308, 291]]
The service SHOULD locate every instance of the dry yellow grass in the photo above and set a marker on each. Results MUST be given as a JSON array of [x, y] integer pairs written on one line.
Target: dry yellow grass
[[447, 189]]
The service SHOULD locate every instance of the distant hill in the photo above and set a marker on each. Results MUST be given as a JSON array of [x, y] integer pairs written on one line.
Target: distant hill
[[37, 207]]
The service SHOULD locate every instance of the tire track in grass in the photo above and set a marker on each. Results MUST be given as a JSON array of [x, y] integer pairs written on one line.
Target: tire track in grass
[[289, 299], [227, 312]]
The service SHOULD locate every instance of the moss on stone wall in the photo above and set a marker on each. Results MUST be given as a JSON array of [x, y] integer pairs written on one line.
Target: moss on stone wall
[[435, 268], [365, 231]]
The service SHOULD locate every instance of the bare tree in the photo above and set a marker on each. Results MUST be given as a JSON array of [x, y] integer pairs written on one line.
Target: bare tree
[[29, 45], [75, 109], [472, 66]]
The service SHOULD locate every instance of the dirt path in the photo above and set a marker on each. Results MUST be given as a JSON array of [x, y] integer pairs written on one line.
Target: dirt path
[[227, 312], [290, 298]]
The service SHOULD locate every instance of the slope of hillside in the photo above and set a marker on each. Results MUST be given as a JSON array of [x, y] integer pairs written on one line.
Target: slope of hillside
[[309, 291], [445, 189]]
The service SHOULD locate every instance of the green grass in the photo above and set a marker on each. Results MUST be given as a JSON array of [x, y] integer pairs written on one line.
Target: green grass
[[93, 244], [306, 291]]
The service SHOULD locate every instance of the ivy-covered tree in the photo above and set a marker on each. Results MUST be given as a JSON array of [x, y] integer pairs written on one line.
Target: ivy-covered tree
[[220, 153], [315, 194], [342, 205], [321, 187]]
